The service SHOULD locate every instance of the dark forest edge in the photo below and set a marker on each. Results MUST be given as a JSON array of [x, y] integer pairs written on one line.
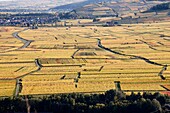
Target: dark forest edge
[[111, 101], [160, 7]]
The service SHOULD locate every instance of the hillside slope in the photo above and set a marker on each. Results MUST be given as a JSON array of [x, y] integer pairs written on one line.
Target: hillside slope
[[108, 9], [109, 13], [86, 2], [160, 7]]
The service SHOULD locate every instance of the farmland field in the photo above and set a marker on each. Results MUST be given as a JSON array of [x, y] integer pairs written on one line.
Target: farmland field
[[85, 59]]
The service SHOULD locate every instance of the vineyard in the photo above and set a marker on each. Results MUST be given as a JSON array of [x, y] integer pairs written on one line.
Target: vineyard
[[85, 59]]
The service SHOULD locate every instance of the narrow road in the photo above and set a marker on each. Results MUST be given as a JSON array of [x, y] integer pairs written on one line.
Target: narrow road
[[25, 41]]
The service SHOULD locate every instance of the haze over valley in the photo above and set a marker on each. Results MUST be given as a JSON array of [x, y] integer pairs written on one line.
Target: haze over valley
[[34, 4]]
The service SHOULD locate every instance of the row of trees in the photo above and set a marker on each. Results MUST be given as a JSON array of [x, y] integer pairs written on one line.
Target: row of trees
[[111, 101]]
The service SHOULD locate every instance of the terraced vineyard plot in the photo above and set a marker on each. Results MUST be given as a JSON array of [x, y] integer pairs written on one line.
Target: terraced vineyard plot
[[167, 86], [56, 40], [8, 43], [167, 72], [60, 86], [7, 87], [12, 71]]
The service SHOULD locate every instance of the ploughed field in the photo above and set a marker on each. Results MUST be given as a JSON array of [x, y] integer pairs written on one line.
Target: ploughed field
[[85, 59]]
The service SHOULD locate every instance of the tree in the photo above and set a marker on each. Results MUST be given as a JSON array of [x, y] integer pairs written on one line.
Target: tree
[[161, 99], [96, 20], [109, 95], [157, 105]]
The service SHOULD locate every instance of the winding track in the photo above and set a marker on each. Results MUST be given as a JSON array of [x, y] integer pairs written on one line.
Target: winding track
[[26, 42]]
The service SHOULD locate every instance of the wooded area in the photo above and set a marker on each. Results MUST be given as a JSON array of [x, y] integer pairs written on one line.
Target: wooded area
[[111, 101]]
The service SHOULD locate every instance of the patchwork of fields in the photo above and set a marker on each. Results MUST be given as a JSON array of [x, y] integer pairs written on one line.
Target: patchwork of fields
[[85, 59]]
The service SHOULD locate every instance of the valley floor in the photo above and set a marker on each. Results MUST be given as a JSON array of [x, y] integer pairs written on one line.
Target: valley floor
[[85, 59]]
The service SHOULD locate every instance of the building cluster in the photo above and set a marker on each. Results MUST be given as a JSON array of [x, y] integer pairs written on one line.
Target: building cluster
[[20, 20]]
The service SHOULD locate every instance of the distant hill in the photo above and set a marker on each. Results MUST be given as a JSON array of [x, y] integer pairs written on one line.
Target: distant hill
[[81, 3], [107, 8], [77, 5], [116, 12], [160, 7], [86, 2]]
